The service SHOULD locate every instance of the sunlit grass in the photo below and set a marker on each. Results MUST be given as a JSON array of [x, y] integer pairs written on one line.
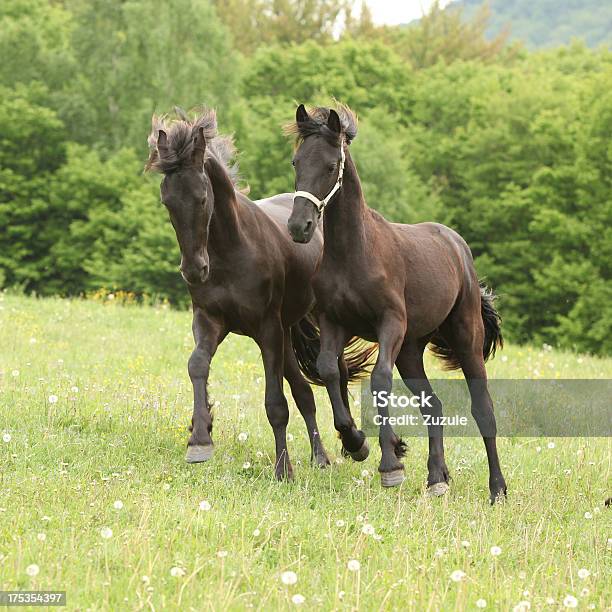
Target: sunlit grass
[[94, 405]]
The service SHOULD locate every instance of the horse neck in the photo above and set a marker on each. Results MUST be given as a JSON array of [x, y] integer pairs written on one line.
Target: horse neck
[[225, 229], [345, 220]]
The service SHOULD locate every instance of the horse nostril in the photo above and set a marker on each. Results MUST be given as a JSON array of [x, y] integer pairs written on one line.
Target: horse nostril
[[307, 227]]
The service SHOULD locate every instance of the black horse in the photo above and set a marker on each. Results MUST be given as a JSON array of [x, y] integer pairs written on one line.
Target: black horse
[[403, 286]]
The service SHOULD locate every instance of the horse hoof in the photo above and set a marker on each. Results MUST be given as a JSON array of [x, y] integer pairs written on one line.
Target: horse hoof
[[392, 479], [438, 489], [361, 454], [198, 453]]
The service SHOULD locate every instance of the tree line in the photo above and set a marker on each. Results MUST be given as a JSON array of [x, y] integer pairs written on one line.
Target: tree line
[[511, 148]]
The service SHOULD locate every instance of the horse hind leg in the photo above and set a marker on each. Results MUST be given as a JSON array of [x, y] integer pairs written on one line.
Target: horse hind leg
[[465, 333], [409, 363], [304, 400]]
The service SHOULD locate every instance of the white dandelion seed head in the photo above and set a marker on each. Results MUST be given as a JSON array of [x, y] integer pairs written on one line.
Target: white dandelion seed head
[[246, 465], [15, 373], [341, 594], [481, 603], [465, 544], [118, 504], [106, 533], [365, 473], [584, 592], [289, 437], [551, 445], [340, 523], [166, 486], [145, 579], [550, 601], [583, 573], [6, 437], [41, 537], [74, 389], [177, 572], [32, 570], [609, 544], [439, 552], [222, 554], [259, 454], [368, 529], [377, 537], [457, 576], [569, 601], [204, 505], [522, 606], [243, 436], [339, 460], [32, 340], [496, 551], [538, 449], [359, 518], [289, 577], [256, 532], [53, 399], [596, 510], [298, 599], [588, 516], [353, 565]]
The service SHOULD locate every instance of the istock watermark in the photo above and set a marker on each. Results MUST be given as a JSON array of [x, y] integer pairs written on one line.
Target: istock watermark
[[543, 407]]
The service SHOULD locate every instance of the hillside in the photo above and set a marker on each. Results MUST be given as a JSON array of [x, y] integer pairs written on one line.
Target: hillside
[[548, 23]]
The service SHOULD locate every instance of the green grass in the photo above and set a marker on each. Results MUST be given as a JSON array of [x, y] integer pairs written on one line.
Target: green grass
[[122, 436]]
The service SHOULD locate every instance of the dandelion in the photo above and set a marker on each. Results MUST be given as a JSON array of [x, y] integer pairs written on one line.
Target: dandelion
[[256, 532], [32, 340], [243, 436], [289, 578], [609, 544], [15, 373], [583, 573], [204, 505], [353, 565], [341, 594], [222, 554], [522, 606], [588, 516], [74, 389], [481, 603], [32, 570], [457, 575], [538, 449], [259, 454], [53, 399], [551, 445], [465, 544], [570, 601], [177, 572], [496, 551], [246, 465], [365, 473], [298, 599], [6, 437], [377, 537], [41, 537], [359, 518], [550, 601], [368, 529], [339, 460], [439, 552], [584, 592], [340, 523], [289, 437], [504, 358], [145, 579], [118, 504], [596, 510], [166, 486], [106, 533]]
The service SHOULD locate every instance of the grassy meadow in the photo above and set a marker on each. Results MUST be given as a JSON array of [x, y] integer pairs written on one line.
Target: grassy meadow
[[96, 498]]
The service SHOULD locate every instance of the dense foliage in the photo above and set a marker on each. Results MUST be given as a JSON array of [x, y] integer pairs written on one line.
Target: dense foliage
[[510, 148]]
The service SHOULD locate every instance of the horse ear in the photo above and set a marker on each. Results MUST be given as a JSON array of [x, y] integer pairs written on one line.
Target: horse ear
[[199, 148], [162, 144], [333, 122], [301, 114]]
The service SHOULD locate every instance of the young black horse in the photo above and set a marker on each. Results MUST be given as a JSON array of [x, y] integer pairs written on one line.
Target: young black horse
[[244, 274], [402, 285]]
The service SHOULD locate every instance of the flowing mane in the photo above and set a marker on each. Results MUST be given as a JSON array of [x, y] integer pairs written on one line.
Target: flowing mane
[[317, 124], [181, 131]]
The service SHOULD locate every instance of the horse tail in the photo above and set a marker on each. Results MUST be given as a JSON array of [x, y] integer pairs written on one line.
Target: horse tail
[[306, 343], [493, 338]]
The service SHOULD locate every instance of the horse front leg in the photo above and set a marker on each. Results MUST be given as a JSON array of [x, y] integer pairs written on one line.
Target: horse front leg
[[271, 342], [329, 365], [208, 334], [390, 338]]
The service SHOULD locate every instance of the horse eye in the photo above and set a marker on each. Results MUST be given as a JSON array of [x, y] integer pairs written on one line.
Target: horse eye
[[293, 162], [331, 168]]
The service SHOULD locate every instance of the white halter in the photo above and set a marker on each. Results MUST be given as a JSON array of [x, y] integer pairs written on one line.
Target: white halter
[[321, 204]]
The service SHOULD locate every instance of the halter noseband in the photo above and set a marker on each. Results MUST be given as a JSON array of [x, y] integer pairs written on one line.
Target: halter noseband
[[321, 204]]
